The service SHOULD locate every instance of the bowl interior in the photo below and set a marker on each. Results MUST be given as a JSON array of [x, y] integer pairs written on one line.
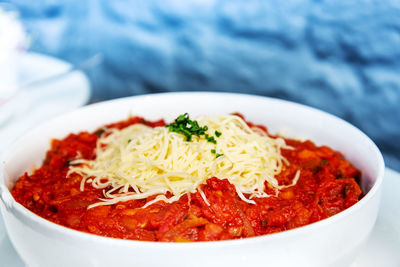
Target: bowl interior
[[290, 119]]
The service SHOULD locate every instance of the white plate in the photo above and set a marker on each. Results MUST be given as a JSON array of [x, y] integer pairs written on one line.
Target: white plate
[[381, 250], [48, 100]]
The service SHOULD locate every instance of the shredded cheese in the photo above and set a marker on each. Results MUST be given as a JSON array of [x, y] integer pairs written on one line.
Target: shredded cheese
[[139, 161]]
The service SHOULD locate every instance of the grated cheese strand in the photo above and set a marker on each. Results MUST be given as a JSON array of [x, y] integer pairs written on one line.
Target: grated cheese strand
[[139, 161]]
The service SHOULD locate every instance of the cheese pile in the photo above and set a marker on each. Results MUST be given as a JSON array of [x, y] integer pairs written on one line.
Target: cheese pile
[[140, 161]]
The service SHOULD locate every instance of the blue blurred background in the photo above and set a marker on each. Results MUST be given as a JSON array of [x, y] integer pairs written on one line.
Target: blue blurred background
[[339, 56]]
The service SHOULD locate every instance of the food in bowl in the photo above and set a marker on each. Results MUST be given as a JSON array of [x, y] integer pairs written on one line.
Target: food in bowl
[[213, 178], [334, 241]]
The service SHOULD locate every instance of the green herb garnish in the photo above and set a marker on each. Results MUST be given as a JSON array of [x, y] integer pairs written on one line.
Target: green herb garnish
[[210, 139], [184, 125], [217, 154]]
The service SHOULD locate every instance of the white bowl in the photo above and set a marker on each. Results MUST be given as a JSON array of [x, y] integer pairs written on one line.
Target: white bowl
[[331, 242]]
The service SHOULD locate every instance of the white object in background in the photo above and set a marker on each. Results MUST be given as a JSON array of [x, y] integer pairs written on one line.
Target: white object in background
[[12, 45], [25, 98], [51, 99]]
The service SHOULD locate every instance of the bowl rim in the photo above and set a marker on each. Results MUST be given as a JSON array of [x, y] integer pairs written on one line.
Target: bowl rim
[[20, 210]]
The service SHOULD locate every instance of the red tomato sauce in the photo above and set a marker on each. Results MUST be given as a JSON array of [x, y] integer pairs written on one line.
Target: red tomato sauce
[[327, 185]]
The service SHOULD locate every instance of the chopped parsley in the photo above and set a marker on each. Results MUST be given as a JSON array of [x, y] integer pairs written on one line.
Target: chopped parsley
[[210, 139], [217, 155], [184, 125]]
